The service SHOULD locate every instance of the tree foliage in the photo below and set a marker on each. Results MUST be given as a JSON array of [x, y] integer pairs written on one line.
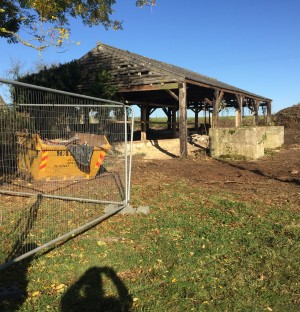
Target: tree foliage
[[46, 22], [69, 76]]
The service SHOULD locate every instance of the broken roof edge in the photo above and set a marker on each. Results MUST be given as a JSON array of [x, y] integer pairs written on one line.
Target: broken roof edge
[[182, 74]]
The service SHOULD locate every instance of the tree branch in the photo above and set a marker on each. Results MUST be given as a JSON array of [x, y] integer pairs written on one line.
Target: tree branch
[[24, 42]]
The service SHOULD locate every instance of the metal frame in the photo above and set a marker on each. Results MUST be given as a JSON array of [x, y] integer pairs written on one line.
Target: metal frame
[[127, 164]]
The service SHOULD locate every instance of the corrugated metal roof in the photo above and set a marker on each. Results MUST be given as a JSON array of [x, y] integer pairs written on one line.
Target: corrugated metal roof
[[182, 74]]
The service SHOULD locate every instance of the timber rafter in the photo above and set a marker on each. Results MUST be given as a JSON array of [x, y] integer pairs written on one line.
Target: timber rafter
[[132, 73], [150, 87], [228, 90]]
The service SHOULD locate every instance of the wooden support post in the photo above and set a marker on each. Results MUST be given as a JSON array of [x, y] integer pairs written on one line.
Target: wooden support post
[[183, 121], [255, 112], [169, 114], [269, 112], [238, 115], [196, 117], [143, 123], [173, 120], [147, 119], [218, 95], [215, 115]]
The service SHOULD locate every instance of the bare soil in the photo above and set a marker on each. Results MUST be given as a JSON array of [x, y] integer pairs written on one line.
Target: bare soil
[[273, 179]]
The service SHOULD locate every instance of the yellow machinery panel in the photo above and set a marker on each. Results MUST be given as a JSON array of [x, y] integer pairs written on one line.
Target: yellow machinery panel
[[79, 157]]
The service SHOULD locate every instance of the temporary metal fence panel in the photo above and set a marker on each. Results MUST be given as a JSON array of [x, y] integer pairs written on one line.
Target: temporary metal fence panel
[[65, 165]]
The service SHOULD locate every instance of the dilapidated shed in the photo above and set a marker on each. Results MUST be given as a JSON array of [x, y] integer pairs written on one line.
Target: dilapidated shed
[[152, 84]]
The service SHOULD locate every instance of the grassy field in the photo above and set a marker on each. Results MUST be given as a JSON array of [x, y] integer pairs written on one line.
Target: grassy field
[[197, 250], [224, 121]]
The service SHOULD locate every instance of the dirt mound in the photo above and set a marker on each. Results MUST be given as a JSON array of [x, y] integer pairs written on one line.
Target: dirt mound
[[289, 117]]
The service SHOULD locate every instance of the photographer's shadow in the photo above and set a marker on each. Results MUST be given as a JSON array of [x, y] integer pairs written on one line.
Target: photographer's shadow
[[88, 293], [14, 281]]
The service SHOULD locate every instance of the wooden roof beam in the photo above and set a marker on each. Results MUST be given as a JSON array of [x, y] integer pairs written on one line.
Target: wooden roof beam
[[150, 87], [173, 95], [208, 101], [139, 103], [227, 90]]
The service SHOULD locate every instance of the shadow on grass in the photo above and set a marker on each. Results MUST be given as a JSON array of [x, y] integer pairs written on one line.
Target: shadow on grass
[[88, 293], [261, 173], [13, 275], [14, 280], [13, 284]]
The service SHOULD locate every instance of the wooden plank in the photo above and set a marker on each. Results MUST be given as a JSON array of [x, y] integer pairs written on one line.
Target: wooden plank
[[200, 84], [129, 82], [131, 102], [149, 87], [158, 122], [208, 101], [227, 90], [146, 80], [132, 70], [174, 96], [183, 121]]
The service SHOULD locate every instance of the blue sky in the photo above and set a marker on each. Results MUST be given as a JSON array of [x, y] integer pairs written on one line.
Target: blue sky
[[253, 45]]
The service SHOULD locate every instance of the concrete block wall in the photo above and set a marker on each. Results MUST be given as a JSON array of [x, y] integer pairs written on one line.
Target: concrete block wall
[[274, 137], [249, 142]]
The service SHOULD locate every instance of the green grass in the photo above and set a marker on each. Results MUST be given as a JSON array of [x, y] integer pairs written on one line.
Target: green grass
[[197, 251], [224, 121]]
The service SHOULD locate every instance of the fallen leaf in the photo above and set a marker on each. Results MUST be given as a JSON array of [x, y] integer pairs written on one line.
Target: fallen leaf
[[60, 286], [35, 293]]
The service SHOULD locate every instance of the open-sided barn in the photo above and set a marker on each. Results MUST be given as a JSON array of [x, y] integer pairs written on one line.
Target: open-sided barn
[[152, 84]]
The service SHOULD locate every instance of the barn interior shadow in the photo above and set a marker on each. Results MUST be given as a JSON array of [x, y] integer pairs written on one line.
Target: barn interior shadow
[[88, 293]]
